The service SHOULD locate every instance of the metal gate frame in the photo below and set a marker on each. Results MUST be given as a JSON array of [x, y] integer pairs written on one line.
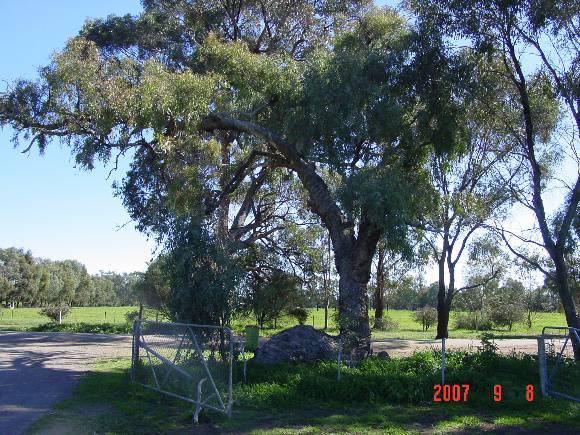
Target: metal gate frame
[[545, 377], [139, 343]]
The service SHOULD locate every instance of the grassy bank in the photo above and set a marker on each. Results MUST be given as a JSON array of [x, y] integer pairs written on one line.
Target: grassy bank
[[112, 320], [378, 397]]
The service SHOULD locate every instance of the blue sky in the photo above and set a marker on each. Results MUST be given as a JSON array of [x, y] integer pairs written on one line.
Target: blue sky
[[46, 204]]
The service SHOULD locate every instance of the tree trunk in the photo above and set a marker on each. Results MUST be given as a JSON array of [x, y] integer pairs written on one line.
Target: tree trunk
[[326, 283], [380, 290], [442, 312], [353, 316], [567, 300], [326, 302], [445, 296], [554, 248]]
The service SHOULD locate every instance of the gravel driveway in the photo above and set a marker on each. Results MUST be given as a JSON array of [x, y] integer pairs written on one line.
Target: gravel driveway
[[39, 369]]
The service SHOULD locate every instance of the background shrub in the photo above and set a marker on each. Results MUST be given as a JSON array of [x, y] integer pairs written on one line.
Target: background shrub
[[300, 314], [386, 324], [90, 328], [426, 317], [474, 321], [55, 312], [131, 316]]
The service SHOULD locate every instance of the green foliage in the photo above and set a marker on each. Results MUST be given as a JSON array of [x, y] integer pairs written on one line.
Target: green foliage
[[426, 317], [197, 281], [386, 323], [488, 346], [475, 321], [507, 304], [300, 314], [89, 328], [131, 316], [35, 282], [399, 380], [268, 296], [55, 312]]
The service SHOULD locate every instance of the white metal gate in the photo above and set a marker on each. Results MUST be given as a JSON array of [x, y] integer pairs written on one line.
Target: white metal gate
[[559, 371], [185, 361]]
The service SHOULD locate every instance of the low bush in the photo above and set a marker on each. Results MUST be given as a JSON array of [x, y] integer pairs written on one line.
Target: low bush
[[426, 317], [131, 316], [300, 314], [408, 380], [386, 323], [505, 314], [55, 312], [473, 321], [99, 328]]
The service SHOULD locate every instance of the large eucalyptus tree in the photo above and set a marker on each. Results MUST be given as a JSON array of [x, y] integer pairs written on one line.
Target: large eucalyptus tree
[[252, 114]]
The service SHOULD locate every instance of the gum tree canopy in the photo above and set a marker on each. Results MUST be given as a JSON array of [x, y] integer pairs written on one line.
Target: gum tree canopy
[[216, 102]]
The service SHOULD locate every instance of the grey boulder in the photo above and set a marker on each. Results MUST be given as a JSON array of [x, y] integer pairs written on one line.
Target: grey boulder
[[300, 343]]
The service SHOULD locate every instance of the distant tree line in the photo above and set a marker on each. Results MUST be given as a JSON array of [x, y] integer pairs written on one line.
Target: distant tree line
[[26, 281]]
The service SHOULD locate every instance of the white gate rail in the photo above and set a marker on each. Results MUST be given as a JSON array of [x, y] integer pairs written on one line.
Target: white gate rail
[[559, 371], [190, 362]]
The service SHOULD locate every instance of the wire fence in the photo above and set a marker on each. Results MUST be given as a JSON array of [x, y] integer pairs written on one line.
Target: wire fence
[[189, 362], [559, 371]]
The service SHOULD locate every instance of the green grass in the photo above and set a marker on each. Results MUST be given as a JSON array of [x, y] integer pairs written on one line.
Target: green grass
[[23, 319], [28, 319], [306, 398]]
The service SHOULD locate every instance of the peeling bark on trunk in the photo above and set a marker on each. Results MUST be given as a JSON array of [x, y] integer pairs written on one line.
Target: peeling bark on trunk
[[353, 316]]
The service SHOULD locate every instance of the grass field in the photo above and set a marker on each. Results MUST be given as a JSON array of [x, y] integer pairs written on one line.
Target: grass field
[[21, 319], [25, 318]]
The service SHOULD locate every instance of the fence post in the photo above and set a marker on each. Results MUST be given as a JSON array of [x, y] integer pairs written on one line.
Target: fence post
[[443, 361], [542, 365]]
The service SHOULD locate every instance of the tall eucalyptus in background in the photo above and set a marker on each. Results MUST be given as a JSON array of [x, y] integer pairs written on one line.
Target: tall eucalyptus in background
[[538, 92], [257, 115]]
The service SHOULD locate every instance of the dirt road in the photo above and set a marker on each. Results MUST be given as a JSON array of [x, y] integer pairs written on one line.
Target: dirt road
[[39, 369]]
